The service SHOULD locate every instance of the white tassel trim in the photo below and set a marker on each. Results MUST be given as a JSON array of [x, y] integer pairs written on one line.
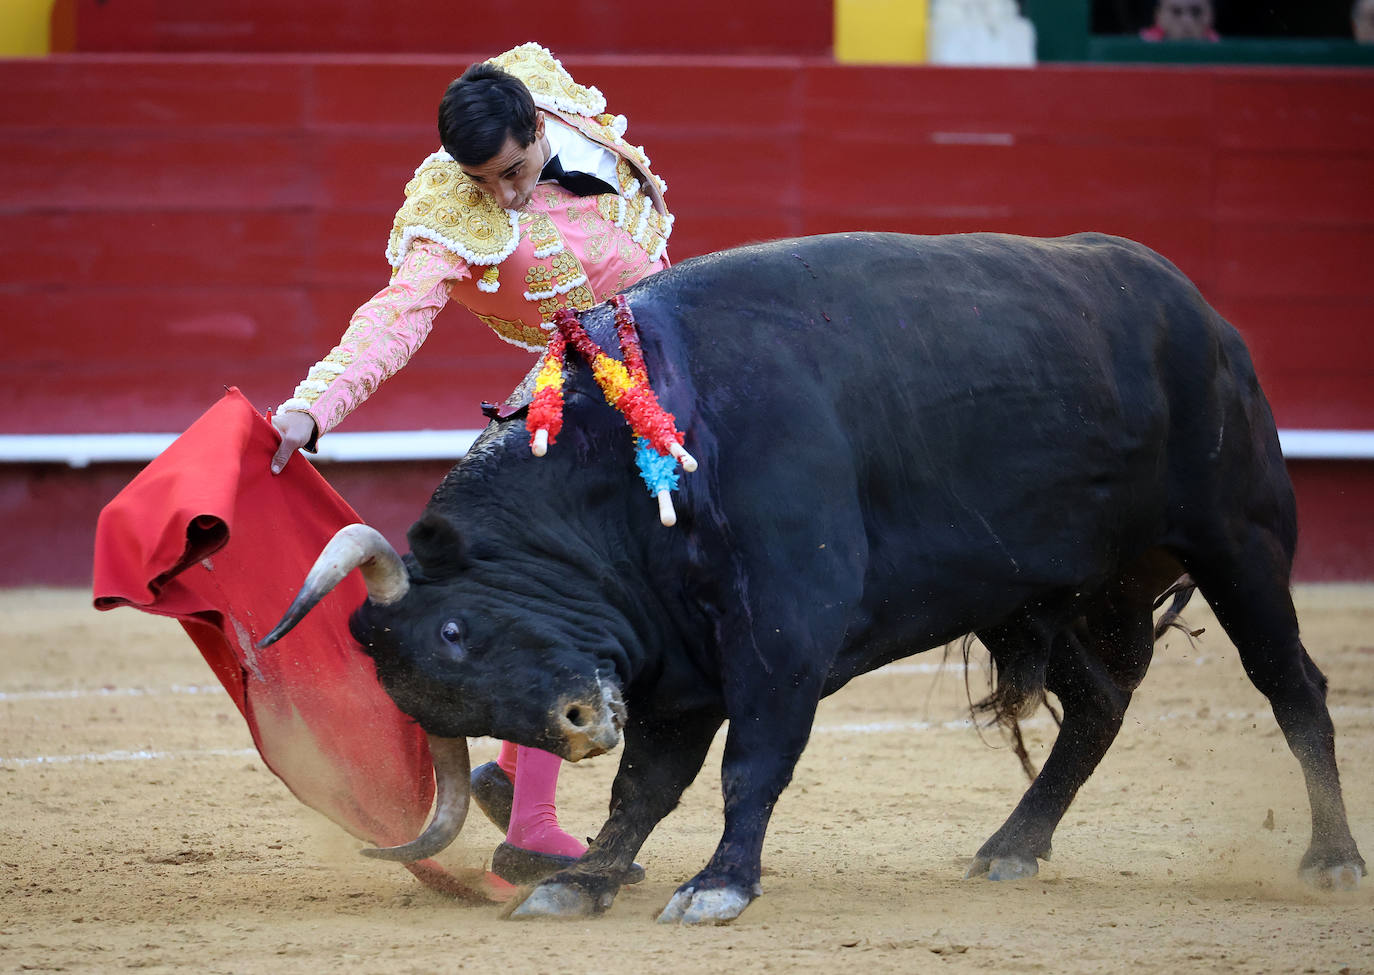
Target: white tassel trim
[[518, 344], [558, 289], [438, 156], [490, 289], [395, 257], [663, 241], [295, 405], [560, 104], [596, 101], [325, 370], [643, 223], [563, 289], [555, 248]]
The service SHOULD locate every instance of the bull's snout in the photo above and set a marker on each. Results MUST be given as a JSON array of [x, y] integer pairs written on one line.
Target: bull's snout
[[590, 723]]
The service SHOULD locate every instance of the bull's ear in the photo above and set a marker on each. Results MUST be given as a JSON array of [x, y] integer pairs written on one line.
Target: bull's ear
[[437, 546]]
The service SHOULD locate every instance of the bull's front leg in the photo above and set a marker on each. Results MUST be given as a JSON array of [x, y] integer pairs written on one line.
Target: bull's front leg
[[659, 761], [767, 735]]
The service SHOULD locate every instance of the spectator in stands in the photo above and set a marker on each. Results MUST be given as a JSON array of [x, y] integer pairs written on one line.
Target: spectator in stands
[[535, 203], [1362, 21], [1181, 20]]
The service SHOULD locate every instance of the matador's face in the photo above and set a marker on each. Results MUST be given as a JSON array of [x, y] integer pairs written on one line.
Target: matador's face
[[509, 176]]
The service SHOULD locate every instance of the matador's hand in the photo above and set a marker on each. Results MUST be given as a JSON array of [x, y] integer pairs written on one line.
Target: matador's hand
[[296, 429]]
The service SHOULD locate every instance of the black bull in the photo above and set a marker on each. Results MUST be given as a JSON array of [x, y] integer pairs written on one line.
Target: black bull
[[902, 440]]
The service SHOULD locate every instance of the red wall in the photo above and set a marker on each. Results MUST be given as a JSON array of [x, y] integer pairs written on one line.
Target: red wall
[[49, 514], [172, 224], [693, 27]]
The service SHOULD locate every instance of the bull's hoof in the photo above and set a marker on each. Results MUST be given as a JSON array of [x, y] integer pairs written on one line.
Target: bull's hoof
[[1343, 876], [716, 905], [1002, 867], [561, 900]]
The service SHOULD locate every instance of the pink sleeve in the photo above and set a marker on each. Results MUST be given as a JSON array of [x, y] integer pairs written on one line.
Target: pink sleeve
[[381, 337]]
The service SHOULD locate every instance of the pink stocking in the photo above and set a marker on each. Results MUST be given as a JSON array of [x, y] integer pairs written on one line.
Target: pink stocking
[[533, 816], [507, 759]]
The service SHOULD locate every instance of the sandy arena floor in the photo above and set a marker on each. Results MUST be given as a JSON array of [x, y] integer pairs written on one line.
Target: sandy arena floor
[[139, 830]]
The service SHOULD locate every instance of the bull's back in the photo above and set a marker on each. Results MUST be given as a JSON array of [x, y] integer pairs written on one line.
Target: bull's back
[[1002, 404], [848, 310]]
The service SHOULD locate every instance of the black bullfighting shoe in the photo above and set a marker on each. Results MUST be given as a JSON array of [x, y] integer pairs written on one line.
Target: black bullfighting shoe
[[494, 792], [515, 865]]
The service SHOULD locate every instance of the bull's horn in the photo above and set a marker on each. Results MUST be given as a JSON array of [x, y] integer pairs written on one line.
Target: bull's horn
[[452, 769], [352, 547]]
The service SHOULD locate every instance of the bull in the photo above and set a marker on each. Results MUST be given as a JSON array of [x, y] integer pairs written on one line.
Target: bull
[[902, 440]]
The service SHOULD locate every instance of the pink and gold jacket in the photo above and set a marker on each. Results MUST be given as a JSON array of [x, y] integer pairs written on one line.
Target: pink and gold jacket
[[512, 269]]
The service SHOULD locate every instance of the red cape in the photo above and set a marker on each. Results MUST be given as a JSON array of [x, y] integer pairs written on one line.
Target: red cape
[[208, 535]]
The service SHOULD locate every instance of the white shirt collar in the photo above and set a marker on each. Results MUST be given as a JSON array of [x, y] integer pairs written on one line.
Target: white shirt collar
[[576, 152]]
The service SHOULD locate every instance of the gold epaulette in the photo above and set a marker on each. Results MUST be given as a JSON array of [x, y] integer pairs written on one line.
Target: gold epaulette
[[549, 82], [444, 206]]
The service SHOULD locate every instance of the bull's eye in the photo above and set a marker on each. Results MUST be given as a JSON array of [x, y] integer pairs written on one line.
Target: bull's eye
[[452, 632]]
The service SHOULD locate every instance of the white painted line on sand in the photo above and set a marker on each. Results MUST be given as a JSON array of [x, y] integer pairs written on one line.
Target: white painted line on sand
[[868, 728], [1043, 721], [78, 693], [128, 756]]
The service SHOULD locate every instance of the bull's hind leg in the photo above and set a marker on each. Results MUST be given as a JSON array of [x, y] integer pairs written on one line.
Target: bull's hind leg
[[1248, 591], [1094, 666]]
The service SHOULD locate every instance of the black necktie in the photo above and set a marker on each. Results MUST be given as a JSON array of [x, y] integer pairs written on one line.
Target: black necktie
[[579, 183]]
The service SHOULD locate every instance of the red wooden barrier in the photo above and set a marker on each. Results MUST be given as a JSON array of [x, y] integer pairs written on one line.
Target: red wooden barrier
[[173, 224], [49, 514], [423, 26]]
